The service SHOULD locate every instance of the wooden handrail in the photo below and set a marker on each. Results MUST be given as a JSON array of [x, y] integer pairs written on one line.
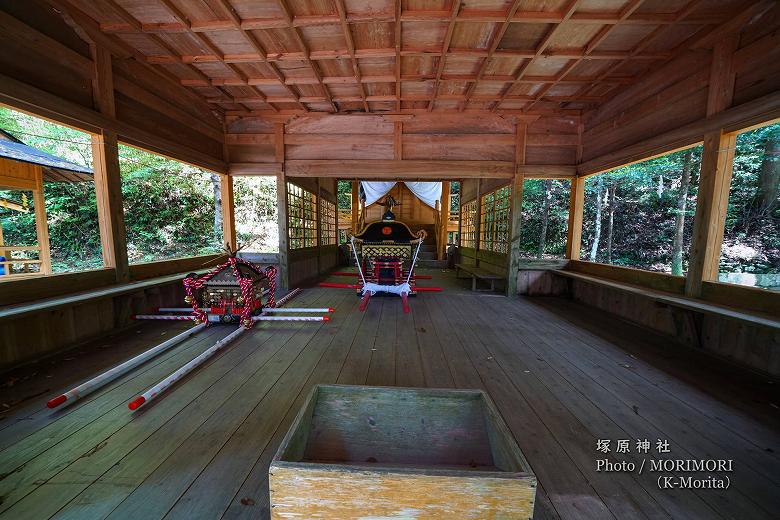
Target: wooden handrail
[[4, 247]]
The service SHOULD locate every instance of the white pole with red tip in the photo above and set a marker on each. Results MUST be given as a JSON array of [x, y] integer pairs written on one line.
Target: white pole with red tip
[[160, 387], [109, 375]]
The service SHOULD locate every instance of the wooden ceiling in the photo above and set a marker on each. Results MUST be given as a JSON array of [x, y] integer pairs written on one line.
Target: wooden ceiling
[[393, 56]]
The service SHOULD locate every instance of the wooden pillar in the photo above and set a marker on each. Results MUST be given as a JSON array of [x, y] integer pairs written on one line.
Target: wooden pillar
[[460, 212], [108, 181], [228, 211], [281, 204], [318, 225], [355, 206], [717, 162], [711, 203], [478, 222], [41, 224], [516, 216], [111, 217], [516, 210], [576, 206], [445, 219]]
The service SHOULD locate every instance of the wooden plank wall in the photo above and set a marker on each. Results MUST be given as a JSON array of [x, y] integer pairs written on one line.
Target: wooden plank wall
[[39, 334], [305, 266], [486, 141], [46, 67], [667, 108]]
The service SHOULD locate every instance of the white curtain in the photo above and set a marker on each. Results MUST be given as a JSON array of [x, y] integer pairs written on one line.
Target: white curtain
[[428, 192], [374, 191]]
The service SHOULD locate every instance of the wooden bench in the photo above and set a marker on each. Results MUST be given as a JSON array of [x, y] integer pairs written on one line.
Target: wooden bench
[[477, 273], [672, 300]]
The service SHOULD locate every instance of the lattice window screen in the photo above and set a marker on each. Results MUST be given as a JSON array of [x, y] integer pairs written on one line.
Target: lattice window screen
[[301, 217]]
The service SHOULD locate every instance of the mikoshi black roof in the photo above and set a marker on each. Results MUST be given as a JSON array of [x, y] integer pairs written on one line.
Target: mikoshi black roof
[[56, 169]]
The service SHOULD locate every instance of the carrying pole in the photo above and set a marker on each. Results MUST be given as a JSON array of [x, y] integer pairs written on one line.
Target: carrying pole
[[163, 385], [109, 375]]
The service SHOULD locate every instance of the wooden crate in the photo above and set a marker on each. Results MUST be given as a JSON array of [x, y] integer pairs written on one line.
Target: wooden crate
[[379, 452]]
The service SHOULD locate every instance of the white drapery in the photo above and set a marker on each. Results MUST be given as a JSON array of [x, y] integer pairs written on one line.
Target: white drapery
[[428, 192]]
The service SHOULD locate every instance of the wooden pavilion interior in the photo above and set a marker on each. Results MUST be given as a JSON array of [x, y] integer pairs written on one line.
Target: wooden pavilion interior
[[485, 92]]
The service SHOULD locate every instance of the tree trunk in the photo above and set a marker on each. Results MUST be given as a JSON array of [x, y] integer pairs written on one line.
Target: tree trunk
[[769, 178], [545, 218], [215, 184], [597, 233], [679, 221], [660, 189], [611, 220]]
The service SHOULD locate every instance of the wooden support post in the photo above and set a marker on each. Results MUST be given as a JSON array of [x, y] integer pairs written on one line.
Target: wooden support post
[[515, 214], [2, 242], [111, 217], [318, 225], [576, 206], [516, 210], [281, 204], [41, 224], [398, 135], [445, 220], [460, 212], [228, 211], [478, 222], [355, 206], [717, 162], [105, 164], [711, 203]]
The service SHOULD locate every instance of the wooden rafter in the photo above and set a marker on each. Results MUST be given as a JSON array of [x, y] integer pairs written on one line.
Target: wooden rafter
[[591, 45], [297, 33], [350, 20], [493, 46], [444, 49], [568, 12], [351, 47]]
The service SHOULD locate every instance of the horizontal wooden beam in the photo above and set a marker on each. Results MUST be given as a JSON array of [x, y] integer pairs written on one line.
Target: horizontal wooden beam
[[470, 15], [547, 171], [255, 168], [746, 115], [30, 99], [390, 169]]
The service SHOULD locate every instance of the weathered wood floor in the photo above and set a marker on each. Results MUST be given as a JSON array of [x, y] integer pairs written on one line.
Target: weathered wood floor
[[561, 375]]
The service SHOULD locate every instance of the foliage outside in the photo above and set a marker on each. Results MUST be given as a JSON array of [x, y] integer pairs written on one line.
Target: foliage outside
[[171, 209], [545, 218]]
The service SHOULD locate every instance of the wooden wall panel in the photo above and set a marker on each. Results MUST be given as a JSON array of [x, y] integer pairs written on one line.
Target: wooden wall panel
[[753, 346], [33, 336], [54, 60]]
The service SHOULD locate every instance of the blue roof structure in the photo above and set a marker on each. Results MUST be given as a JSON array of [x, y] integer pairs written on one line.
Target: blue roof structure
[[56, 168]]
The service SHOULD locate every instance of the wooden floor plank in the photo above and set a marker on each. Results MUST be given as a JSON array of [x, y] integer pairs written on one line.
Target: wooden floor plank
[[667, 412], [408, 361], [44, 453], [26, 389], [436, 371], [569, 491], [561, 375], [355, 369], [160, 490], [149, 449], [251, 500], [381, 366], [211, 493], [121, 430]]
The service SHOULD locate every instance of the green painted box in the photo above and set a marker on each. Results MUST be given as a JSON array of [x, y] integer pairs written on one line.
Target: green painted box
[[382, 452]]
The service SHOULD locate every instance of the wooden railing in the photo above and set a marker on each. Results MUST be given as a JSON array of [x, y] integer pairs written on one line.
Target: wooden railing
[[25, 263]]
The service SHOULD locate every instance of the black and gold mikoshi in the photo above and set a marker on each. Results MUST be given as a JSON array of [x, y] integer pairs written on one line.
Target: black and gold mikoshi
[[386, 251]]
